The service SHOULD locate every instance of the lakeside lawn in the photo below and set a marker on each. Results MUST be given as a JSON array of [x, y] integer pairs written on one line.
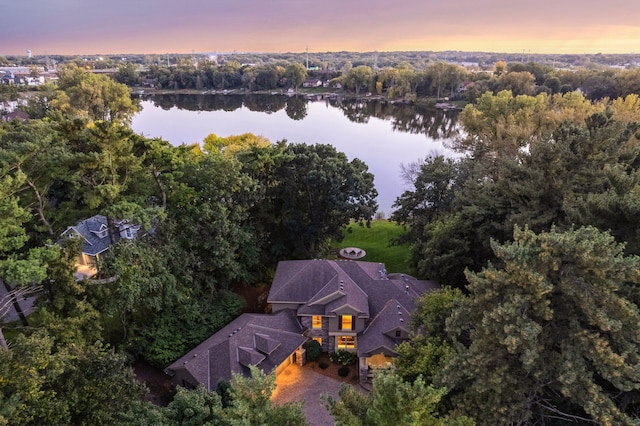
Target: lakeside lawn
[[376, 242]]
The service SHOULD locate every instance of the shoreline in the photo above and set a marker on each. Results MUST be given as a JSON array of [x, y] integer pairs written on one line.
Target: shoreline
[[433, 102]]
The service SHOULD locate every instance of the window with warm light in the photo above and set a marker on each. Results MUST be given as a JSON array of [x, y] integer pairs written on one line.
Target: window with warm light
[[316, 321], [346, 342], [346, 322], [318, 339]]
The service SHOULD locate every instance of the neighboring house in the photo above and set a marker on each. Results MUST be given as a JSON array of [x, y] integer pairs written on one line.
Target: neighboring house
[[312, 82], [97, 238], [15, 115], [344, 305]]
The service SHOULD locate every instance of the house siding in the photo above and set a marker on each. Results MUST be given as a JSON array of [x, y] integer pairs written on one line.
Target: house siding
[[276, 307], [323, 333]]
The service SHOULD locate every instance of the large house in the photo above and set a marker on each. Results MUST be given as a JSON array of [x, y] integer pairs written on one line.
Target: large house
[[96, 240], [344, 305]]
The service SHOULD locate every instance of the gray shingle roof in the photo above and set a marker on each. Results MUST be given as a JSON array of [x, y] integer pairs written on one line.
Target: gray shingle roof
[[297, 281], [257, 339], [93, 231], [364, 286], [379, 334]]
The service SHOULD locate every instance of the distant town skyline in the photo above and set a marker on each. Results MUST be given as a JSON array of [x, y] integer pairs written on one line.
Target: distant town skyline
[[87, 27]]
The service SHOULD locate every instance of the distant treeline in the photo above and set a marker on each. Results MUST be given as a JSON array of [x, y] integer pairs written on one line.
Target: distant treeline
[[323, 60], [395, 75], [437, 79]]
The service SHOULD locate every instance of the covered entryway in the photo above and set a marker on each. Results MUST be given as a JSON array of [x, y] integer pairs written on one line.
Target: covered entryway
[[379, 361]]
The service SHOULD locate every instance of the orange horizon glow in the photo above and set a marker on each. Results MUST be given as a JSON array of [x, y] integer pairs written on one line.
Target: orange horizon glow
[[159, 27]]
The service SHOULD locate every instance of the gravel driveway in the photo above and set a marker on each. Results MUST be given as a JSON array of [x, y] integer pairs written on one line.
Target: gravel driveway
[[297, 383]]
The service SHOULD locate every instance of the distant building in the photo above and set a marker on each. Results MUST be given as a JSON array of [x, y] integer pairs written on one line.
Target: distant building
[[15, 115], [312, 82], [97, 239]]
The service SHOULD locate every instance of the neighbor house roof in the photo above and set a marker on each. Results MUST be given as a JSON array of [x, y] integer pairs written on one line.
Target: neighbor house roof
[[251, 339], [94, 232]]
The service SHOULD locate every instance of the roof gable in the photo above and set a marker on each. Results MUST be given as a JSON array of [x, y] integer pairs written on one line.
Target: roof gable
[[249, 356], [265, 340], [265, 344], [381, 330], [297, 281], [93, 231]]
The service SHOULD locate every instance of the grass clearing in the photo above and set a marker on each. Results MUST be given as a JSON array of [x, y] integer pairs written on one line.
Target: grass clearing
[[376, 242]]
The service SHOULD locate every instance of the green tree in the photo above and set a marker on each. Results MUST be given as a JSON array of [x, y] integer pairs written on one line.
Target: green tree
[[429, 348], [93, 96], [196, 407], [434, 182], [310, 193], [392, 402], [295, 73], [209, 210], [36, 150], [128, 74], [550, 333], [358, 77], [519, 83], [19, 263], [251, 402], [44, 384], [64, 309]]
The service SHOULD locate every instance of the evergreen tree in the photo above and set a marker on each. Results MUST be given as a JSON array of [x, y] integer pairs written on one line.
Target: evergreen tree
[[549, 334]]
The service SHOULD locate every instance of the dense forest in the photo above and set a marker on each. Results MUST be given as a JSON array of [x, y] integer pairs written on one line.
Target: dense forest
[[531, 231]]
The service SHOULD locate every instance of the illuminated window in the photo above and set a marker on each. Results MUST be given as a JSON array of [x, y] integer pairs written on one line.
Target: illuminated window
[[316, 321], [346, 342], [346, 322], [318, 339]]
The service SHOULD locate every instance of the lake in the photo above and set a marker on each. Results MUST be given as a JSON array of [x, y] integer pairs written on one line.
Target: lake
[[382, 134]]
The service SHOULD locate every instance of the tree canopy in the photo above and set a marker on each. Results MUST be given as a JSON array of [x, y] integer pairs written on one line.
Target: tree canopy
[[550, 334]]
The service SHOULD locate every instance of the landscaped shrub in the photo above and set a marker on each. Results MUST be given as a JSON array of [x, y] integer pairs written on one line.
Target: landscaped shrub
[[314, 350], [343, 357], [343, 371], [323, 365]]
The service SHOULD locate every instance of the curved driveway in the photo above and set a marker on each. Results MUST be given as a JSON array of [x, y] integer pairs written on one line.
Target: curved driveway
[[299, 384]]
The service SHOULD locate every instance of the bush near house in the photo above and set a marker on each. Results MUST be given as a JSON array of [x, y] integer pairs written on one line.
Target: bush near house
[[343, 358], [314, 350], [343, 371]]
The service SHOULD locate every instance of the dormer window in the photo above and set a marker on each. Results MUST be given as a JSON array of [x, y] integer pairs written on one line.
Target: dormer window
[[347, 322], [102, 232]]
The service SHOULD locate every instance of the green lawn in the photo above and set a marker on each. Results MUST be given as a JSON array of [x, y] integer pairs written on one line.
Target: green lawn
[[375, 241]]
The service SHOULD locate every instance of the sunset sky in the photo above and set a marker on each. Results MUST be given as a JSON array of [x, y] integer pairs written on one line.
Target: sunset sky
[[167, 26]]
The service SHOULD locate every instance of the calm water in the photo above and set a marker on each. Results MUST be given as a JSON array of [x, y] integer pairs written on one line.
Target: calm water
[[383, 135]]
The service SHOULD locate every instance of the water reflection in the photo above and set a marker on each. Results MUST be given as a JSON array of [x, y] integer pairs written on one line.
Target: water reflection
[[384, 135], [406, 118]]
